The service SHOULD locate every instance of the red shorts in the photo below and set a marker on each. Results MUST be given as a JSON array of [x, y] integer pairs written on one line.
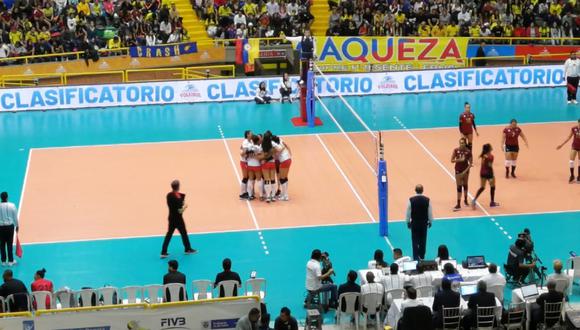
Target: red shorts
[[243, 165], [269, 166], [255, 168], [286, 163]]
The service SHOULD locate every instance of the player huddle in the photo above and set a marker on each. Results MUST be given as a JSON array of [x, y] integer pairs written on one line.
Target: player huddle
[[463, 159], [265, 160]]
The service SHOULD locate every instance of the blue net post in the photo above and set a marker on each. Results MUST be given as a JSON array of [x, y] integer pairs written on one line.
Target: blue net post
[[310, 96], [383, 195]]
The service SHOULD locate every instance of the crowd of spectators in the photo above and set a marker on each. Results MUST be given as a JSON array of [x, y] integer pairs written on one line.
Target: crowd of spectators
[[37, 27], [451, 18], [231, 19]]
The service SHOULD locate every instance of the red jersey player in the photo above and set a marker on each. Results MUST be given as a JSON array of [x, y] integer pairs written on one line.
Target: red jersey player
[[467, 125], [486, 174], [463, 160], [575, 151], [511, 147]]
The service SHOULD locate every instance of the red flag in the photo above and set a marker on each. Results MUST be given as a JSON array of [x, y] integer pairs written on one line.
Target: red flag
[[571, 88], [239, 51], [18, 247]]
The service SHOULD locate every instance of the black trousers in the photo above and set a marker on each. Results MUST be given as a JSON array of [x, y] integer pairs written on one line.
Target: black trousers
[[419, 242], [6, 240], [180, 226], [574, 82]]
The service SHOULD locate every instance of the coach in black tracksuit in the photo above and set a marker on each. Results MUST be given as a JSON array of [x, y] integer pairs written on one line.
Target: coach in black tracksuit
[[176, 205], [419, 219]]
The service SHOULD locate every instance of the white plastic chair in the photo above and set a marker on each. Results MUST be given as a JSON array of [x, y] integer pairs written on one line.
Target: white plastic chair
[[256, 287], [485, 317], [10, 300], [372, 302], [66, 299], [109, 295], [130, 294], [87, 296], [424, 291], [347, 304], [372, 264], [497, 290], [393, 294], [229, 287], [39, 298], [203, 288], [420, 280], [451, 317], [152, 292], [573, 267], [173, 292]]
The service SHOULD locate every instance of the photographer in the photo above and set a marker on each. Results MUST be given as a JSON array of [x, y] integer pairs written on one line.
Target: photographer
[[526, 236], [326, 267], [516, 261]]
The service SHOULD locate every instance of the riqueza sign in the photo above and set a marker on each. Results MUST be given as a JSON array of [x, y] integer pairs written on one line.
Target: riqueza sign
[[67, 97]]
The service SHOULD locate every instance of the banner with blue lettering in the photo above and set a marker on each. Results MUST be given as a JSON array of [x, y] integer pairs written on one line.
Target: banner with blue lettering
[[163, 50], [218, 90]]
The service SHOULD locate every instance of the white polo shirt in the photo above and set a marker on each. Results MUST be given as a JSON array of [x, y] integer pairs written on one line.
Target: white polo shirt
[[313, 273], [8, 214], [572, 67]]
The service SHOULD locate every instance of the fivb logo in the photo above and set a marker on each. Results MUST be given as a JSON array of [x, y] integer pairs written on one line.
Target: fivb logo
[[173, 323]]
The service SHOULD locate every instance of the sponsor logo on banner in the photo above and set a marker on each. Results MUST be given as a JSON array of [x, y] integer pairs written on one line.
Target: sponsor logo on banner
[[365, 54], [174, 323], [544, 52], [28, 325], [224, 324], [190, 91], [388, 82]]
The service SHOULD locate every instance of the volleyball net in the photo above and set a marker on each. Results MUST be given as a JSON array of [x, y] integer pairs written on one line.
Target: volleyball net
[[365, 138]]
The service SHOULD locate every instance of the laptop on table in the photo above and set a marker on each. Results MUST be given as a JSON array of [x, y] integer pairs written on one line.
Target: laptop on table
[[476, 262], [410, 267], [530, 291], [468, 290]]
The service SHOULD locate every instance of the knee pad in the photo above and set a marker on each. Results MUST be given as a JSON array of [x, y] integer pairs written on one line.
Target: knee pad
[[272, 181], [459, 189], [571, 164], [245, 180], [283, 181]]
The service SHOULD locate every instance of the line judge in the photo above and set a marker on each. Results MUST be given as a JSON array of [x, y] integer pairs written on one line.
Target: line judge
[[419, 218]]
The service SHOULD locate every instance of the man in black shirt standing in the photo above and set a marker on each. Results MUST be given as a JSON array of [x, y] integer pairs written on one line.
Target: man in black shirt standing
[[174, 276], [285, 321], [419, 218], [17, 288], [176, 205], [227, 275]]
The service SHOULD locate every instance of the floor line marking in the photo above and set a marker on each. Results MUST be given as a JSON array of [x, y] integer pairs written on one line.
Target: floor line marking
[[439, 163], [387, 130], [347, 137], [239, 178], [24, 182], [352, 188]]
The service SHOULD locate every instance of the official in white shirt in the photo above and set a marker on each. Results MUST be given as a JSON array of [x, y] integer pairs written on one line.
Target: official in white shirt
[[493, 278], [572, 72], [560, 277], [314, 278], [410, 299], [8, 223], [399, 258]]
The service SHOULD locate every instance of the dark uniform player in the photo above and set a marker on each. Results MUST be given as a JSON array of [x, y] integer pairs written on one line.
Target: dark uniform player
[[575, 151], [486, 174], [176, 205], [463, 160], [510, 144], [467, 125]]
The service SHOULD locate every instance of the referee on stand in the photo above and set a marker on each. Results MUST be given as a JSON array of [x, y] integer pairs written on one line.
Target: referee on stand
[[176, 205], [419, 218], [572, 71], [8, 223]]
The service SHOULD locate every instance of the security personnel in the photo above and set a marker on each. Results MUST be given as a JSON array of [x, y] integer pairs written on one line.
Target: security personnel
[[419, 219]]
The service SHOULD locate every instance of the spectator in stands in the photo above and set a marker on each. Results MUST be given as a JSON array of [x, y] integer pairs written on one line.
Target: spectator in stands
[[558, 276], [451, 274], [14, 287], [8, 224], [350, 285], [493, 278], [552, 296], [442, 254], [285, 321], [314, 278], [399, 258], [227, 275], [174, 276], [445, 298], [41, 284], [250, 321], [481, 298]]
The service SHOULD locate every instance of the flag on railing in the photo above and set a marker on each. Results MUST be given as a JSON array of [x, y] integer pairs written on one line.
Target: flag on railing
[[163, 50], [247, 51]]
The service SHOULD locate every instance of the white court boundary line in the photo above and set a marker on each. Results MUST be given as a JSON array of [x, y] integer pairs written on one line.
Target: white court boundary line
[[24, 182], [346, 179], [239, 178], [351, 223], [112, 145], [428, 152]]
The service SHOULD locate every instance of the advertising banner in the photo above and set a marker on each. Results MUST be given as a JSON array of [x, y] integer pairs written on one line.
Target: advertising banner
[[547, 51], [163, 50], [76, 97], [370, 54]]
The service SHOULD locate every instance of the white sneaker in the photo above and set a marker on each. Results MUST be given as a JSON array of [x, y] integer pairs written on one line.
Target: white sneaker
[[569, 102], [10, 264], [574, 101], [4, 264], [284, 198]]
